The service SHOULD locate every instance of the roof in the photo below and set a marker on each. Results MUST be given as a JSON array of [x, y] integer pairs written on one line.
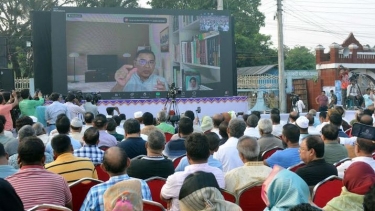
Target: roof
[[255, 70]]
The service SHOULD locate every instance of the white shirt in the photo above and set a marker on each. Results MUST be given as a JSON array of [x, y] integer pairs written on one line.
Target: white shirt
[[171, 189], [228, 155], [74, 110], [120, 130], [44, 138], [319, 127], [216, 130], [313, 131], [300, 106], [277, 130], [251, 131], [341, 168]]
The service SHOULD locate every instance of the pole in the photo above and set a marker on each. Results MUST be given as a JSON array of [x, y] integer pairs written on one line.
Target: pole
[[282, 96], [219, 4]]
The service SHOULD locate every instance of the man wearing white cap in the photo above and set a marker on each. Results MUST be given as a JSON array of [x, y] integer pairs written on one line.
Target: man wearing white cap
[[303, 123], [75, 129], [138, 116]]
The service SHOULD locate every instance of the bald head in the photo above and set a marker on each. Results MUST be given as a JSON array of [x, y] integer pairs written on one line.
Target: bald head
[[293, 115], [115, 161], [217, 120], [226, 117], [366, 119]]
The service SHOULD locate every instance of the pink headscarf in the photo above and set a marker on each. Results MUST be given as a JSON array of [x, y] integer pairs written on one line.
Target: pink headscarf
[[359, 178]]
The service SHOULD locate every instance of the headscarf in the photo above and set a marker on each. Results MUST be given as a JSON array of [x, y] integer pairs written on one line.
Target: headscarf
[[359, 178], [125, 196], [286, 190], [9, 200], [200, 192]]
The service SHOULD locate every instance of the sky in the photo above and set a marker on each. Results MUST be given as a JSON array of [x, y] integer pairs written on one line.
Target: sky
[[309, 23]]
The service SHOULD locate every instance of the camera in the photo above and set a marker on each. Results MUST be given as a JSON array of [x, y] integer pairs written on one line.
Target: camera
[[294, 98], [173, 91], [354, 77], [96, 96], [198, 110]]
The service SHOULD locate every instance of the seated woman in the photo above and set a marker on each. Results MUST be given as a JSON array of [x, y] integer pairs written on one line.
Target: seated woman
[[283, 190], [358, 179]]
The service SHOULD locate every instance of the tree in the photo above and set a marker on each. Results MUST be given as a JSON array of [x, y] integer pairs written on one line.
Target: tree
[[107, 3], [299, 58], [252, 47]]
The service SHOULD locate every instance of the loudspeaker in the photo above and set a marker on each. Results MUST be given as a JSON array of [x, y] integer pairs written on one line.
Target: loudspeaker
[[6, 79], [3, 53]]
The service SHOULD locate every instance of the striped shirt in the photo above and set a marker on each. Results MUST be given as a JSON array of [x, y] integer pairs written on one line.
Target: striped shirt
[[92, 152], [35, 186], [94, 198], [72, 168]]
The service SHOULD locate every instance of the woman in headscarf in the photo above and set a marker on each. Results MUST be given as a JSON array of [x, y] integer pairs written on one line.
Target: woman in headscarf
[[283, 190], [358, 179]]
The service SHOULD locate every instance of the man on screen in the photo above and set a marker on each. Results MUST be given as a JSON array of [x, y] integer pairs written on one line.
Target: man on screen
[[139, 77]]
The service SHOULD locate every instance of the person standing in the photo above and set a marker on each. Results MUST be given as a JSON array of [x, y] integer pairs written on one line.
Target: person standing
[[5, 109], [322, 101], [333, 101], [27, 106], [53, 110], [344, 77], [300, 105]]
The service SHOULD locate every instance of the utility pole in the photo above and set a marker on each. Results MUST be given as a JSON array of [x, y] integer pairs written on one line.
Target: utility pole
[[219, 4], [282, 95]]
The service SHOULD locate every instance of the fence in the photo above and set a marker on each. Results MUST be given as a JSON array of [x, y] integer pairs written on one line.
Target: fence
[[21, 83]]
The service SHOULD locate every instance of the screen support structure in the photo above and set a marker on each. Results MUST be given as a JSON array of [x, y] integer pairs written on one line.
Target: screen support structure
[[173, 111]]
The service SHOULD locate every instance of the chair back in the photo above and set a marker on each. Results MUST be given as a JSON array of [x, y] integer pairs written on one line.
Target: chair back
[[326, 190], [177, 160], [228, 196], [104, 148], [297, 166], [102, 175], [138, 157], [49, 207], [373, 155], [252, 192], [79, 190], [168, 137], [266, 154], [155, 184], [349, 132], [341, 162], [152, 206]]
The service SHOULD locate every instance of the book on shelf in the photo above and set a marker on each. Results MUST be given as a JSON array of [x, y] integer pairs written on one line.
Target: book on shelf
[[188, 19]]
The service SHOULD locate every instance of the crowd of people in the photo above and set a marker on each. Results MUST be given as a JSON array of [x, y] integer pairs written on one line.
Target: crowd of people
[[39, 158]]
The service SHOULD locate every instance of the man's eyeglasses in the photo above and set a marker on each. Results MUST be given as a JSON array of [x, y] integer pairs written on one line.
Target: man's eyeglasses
[[144, 62]]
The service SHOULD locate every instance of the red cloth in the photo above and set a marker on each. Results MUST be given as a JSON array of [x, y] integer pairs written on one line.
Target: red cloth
[[359, 178], [344, 80]]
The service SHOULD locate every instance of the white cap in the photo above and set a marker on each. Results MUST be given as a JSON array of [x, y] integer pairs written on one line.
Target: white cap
[[34, 118], [302, 122], [76, 122], [138, 114]]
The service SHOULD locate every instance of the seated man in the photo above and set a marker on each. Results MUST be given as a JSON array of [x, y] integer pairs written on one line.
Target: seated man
[[133, 144], [111, 129], [197, 151], [333, 150], [251, 126], [148, 121], [253, 170], [316, 169], [267, 140], [213, 143], [67, 165], [90, 148], [75, 129], [105, 139], [289, 156], [115, 163], [163, 126], [34, 184], [175, 148], [154, 164], [5, 169]]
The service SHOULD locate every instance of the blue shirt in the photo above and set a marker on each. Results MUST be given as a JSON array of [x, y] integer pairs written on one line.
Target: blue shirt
[[13, 160], [135, 84], [211, 162], [90, 151], [94, 198], [316, 121], [175, 148], [53, 110], [368, 101], [7, 170], [76, 145], [284, 158]]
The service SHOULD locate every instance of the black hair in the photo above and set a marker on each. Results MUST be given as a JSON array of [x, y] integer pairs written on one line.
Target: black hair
[[61, 143], [110, 110], [91, 136], [2, 125], [100, 121], [88, 98], [310, 117], [192, 78], [223, 129], [1, 98], [111, 125], [63, 125], [213, 140], [190, 114], [89, 117], [323, 114], [197, 147], [120, 165], [256, 113], [275, 111], [291, 132], [316, 143], [366, 145], [31, 150], [2, 150], [331, 132], [369, 200], [117, 119], [54, 96], [122, 116], [70, 97], [335, 119], [25, 93], [275, 118], [132, 126], [148, 118], [22, 121], [252, 120], [185, 126], [368, 112], [144, 51], [304, 207]]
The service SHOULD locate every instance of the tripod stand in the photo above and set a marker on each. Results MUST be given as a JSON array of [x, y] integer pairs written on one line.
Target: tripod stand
[[173, 111]]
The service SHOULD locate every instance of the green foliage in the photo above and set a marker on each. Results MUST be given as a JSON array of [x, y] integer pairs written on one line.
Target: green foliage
[[107, 3], [299, 58]]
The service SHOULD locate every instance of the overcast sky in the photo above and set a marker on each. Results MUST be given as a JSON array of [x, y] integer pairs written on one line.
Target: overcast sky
[[314, 22]]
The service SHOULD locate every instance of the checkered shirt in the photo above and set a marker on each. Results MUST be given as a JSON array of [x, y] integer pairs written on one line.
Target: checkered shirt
[[94, 198], [90, 151]]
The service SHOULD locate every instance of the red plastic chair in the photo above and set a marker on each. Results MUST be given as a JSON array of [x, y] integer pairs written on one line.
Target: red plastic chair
[[373, 155], [228, 196], [155, 184], [252, 192], [152, 206], [326, 190], [49, 207], [79, 190], [266, 154], [341, 162], [297, 166], [102, 175], [349, 132], [104, 148], [168, 137], [177, 160]]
